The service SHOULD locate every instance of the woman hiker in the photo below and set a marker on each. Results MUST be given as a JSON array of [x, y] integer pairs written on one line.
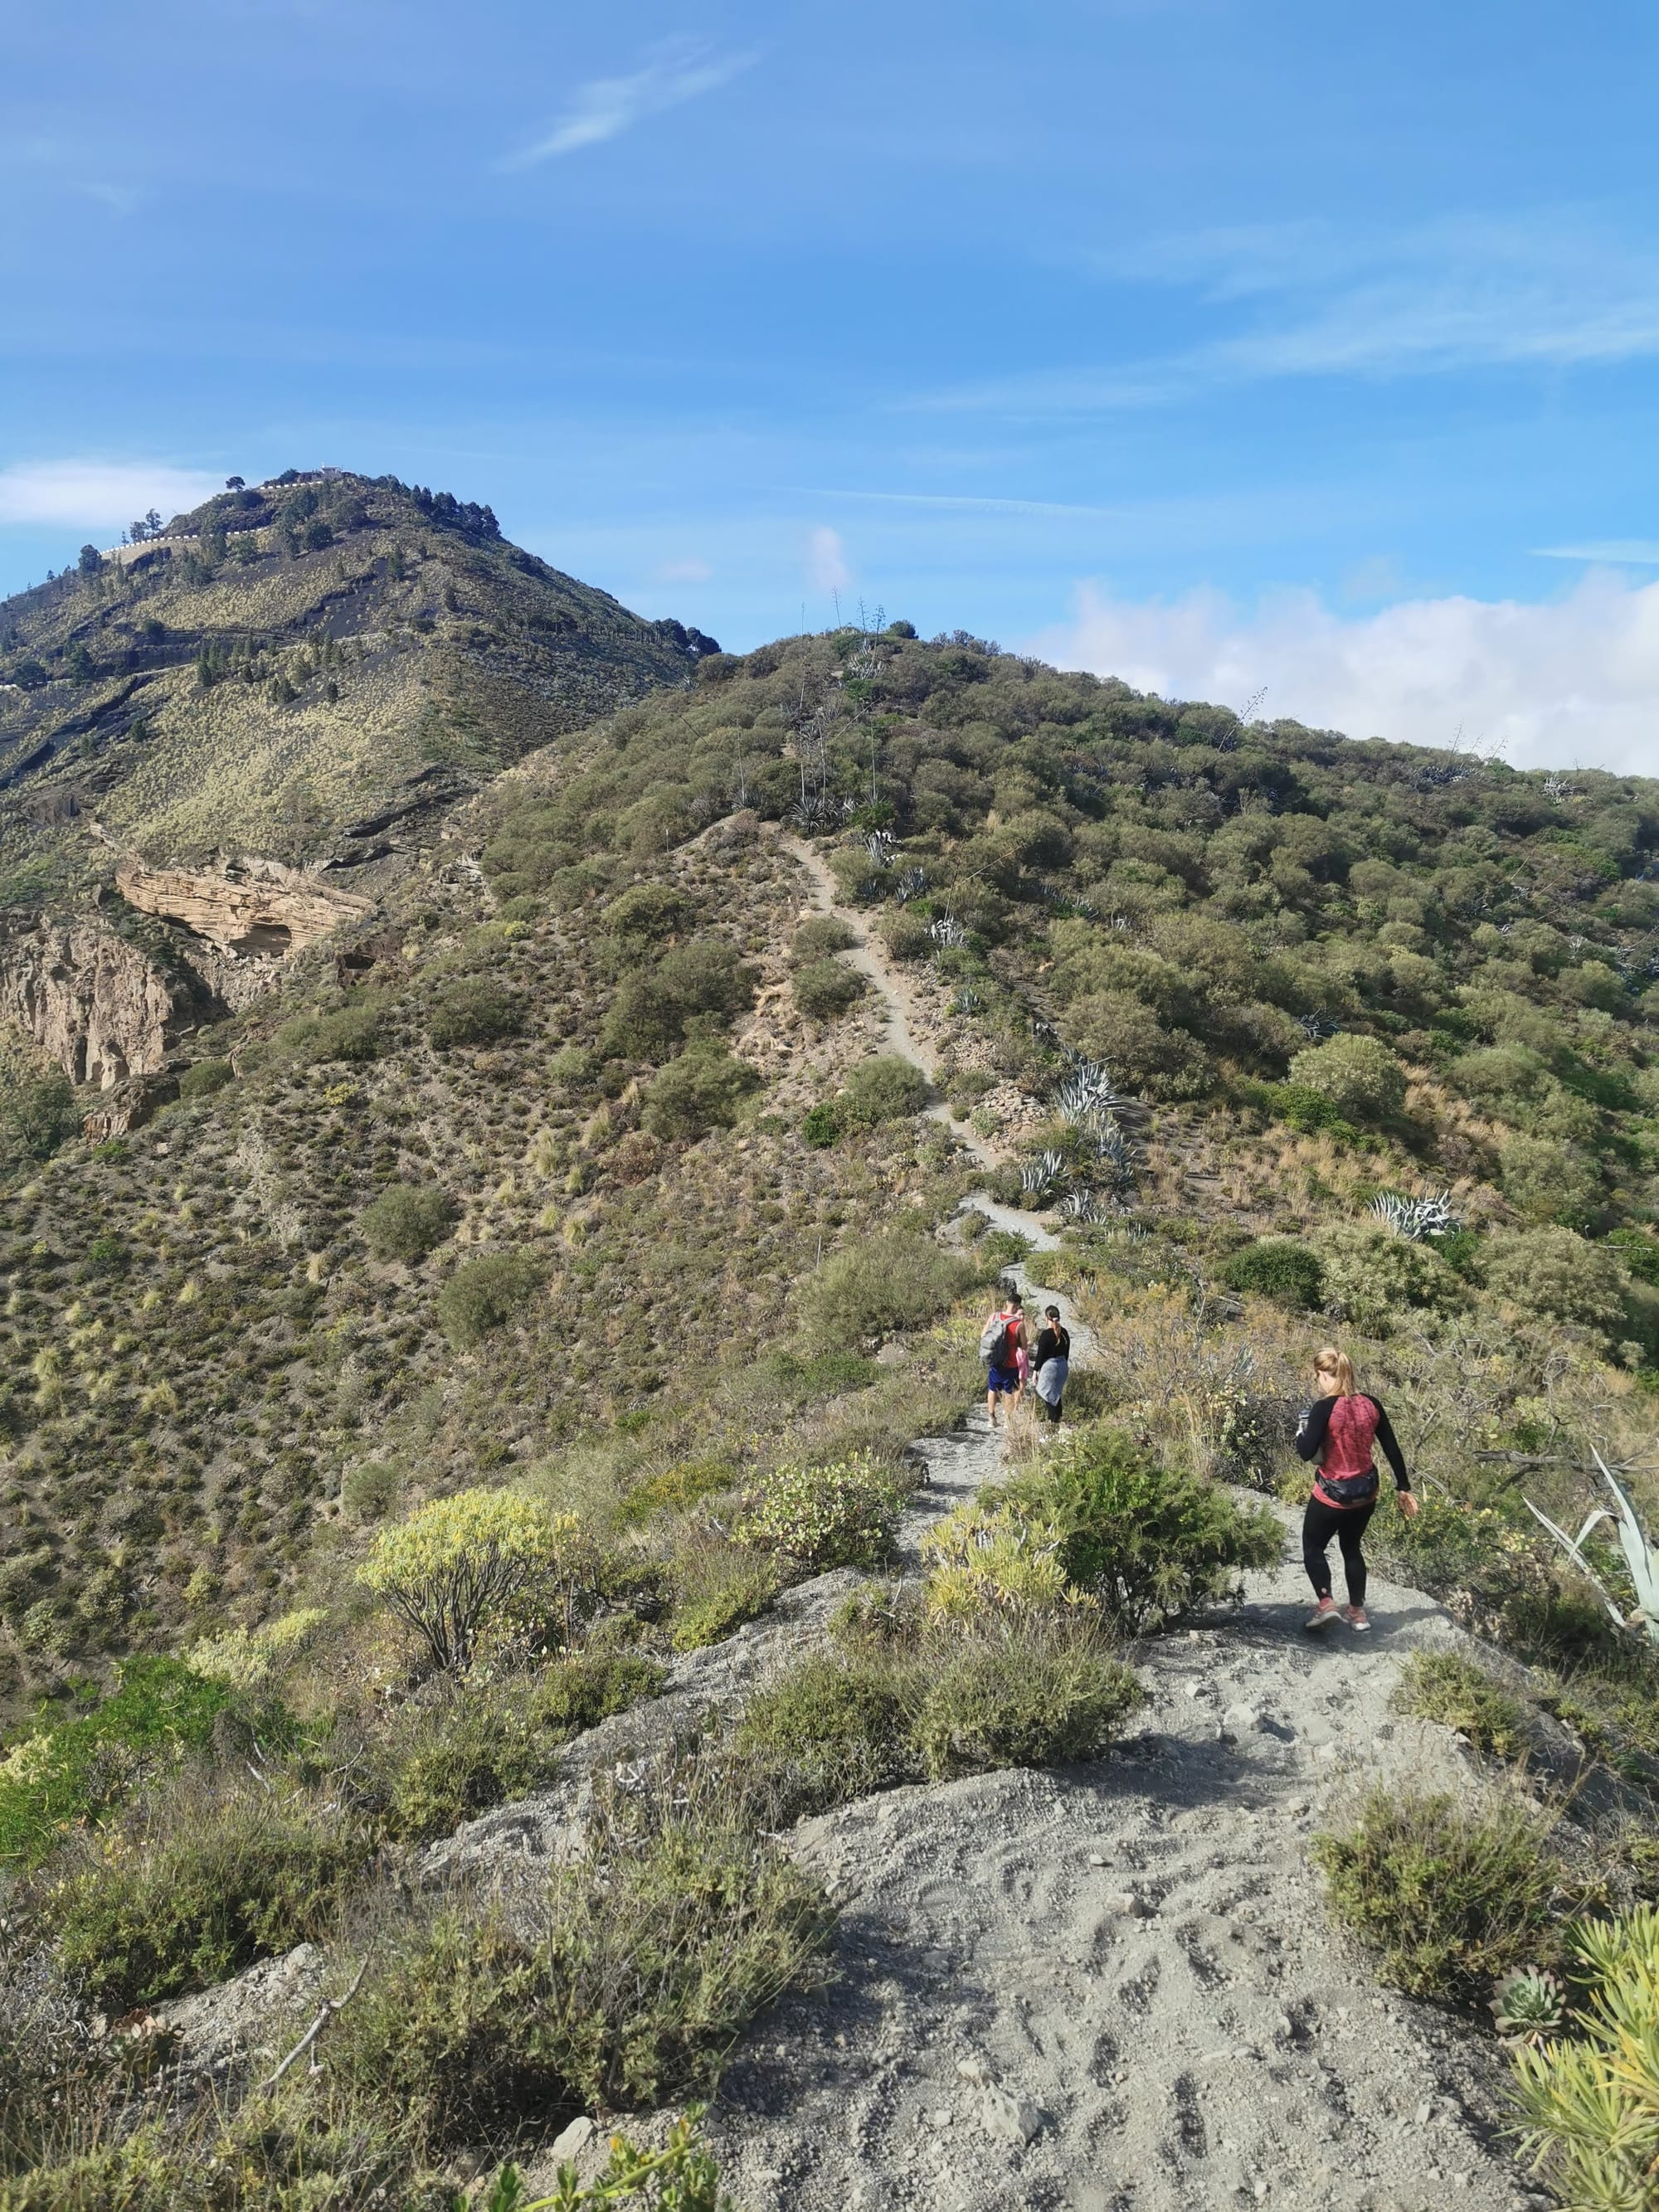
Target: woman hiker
[[1337, 1432], [1000, 1343], [1051, 1363]]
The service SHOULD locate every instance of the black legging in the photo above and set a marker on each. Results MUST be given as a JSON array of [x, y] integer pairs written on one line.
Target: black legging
[[1348, 1524]]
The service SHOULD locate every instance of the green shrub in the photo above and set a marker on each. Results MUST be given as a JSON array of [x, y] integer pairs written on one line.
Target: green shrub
[[487, 1294], [816, 939], [1558, 1277], [1039, 1693], [647, 913], [824, 988], [474, 1013], [1147, 1542], [838, 1724], [675, 1490], [845, 1515], [370, 1491], [1547, 1181], [1371, 1276], [206, 1077], [351, 1034], [645, 1957], [407, 1220], [680, 2177], [1589, 2100], [717, 1587], [881, 1286], [1358, 1074], [702, 1090], [705, 976], [235, 1877], [1449, 1899], [1125, 1034], [37, 1115], [822, 1126], [73, 1772], [1458, 1691], [885, 1089], [1280, 1267], [482, 1559], [444, 1764]]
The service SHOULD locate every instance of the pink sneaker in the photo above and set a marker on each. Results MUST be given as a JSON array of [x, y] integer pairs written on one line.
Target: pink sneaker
[[1355, 1617], [1324, 1616]]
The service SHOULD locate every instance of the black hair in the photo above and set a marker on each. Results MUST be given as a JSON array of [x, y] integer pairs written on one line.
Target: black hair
[[1051, 1313]]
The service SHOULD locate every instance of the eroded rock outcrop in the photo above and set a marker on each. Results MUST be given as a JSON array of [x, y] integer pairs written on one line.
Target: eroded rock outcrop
[[101, 1008], [250, 910]]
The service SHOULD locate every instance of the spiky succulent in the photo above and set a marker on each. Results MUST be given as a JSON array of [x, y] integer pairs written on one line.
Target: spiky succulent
[[1083, 1207], [947, 931], [1416, 1218], [1041, 1176], [1530, 2006], [1316, 1026], [967, 1001], [911, 884], [880, 845]]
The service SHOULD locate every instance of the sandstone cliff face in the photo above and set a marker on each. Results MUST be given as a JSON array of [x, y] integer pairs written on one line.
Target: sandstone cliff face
[[250, 910], [95, 1003]]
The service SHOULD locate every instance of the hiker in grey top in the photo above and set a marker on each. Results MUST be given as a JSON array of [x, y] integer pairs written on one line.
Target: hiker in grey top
[[1000, 1345], [1051, 1363]]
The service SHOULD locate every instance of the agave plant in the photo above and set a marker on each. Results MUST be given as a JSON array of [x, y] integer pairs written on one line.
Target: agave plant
[[1641, 1557], [1416, 1218], [967, 1001], [1041, 1176], [1088, 1093], [911, 884], [1114, 1153], [1316, 1026], [1082, 1206], [880, 845], [1529, 2005], [947, 931]]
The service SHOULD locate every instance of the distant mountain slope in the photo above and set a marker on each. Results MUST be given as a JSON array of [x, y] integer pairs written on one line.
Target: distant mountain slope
[[290, 671]]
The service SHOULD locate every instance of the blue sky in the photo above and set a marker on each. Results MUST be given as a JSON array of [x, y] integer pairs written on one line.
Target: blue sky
[[1230, 344]]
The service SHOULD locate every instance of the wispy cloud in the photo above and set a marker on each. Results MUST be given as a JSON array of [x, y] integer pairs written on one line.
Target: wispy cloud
[[1565, 683], [684, 572], [674, 72], [97, 495], [1549, 291], [1615, 552]]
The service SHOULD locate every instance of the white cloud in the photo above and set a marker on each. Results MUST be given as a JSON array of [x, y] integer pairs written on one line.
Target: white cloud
[[1621, 552], [684, 572], [826, 562], [1569, 683], [95, 495], [679, 70]]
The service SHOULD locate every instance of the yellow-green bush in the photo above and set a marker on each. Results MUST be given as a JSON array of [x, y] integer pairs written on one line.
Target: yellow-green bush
[[842, 1515], [994, 1559], [482, 1561]]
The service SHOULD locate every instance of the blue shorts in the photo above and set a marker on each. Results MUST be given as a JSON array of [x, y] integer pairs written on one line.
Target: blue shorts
[[1002, 1378]]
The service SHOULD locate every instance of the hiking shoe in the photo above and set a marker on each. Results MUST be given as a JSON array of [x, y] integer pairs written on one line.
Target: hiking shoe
[[1324, 1616], [1355, 1617]]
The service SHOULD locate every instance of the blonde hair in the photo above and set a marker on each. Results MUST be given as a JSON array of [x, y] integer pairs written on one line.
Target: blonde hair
[[1330, 1361]]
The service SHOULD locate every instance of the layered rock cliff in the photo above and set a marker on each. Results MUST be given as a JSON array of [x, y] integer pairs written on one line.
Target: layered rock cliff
[[100, 1007]]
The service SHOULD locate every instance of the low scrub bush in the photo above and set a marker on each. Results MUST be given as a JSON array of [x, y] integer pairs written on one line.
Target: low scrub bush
[[483, 1562], [441, 1764], [227, 1877], [371, 1491], [206, 1077], [352, 1034], [985, 1559], [835, 1726], [824, 989], [486, 1294], [1042, 1693], [817, 940], [885, 1089], [1372, 1277], [1280, 1267], [246, 1658], [676, 1489], [49, 1783], [880, 1285], [844, 1515], [1554, 1275], [1589, 2100], [717, 1586], [1146, 1541], [623, 1986], [1449, 1898], [407, 1221], [703, 1089], [680, 2177], [1359, 1075], [474, 1013], [1458, 1691]]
